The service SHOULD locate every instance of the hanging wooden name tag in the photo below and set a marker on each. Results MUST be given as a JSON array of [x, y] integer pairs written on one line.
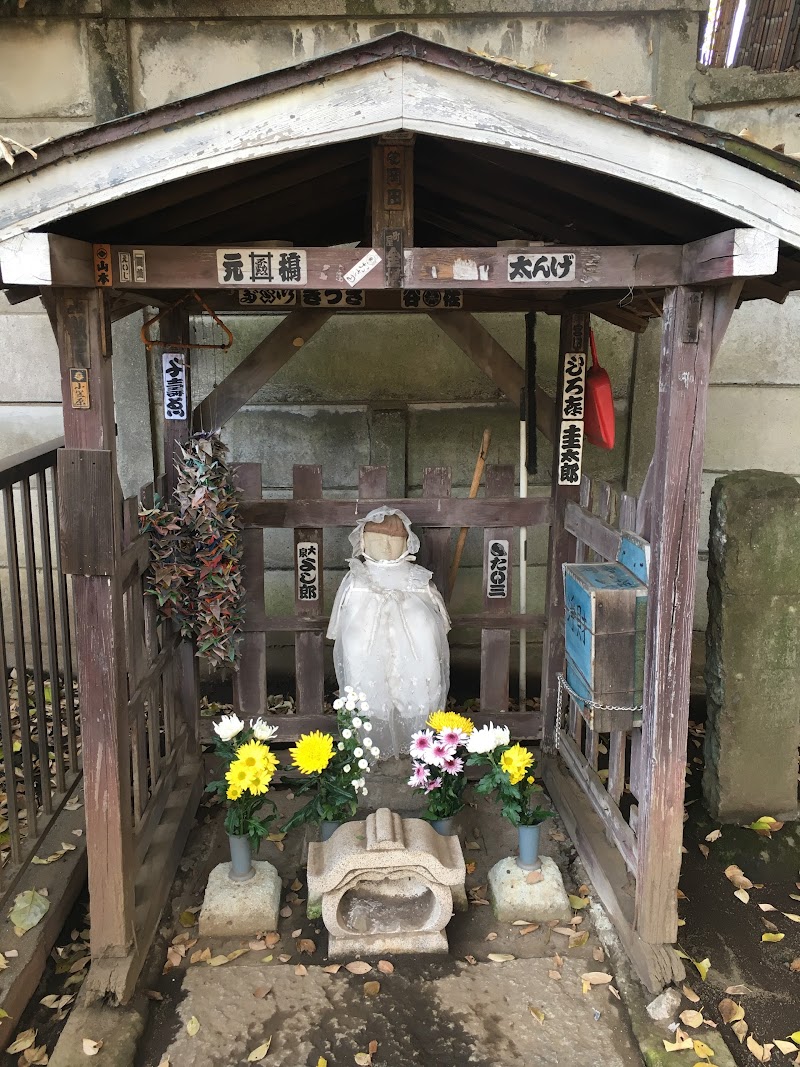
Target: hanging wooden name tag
[[79, 388], [174, 370]]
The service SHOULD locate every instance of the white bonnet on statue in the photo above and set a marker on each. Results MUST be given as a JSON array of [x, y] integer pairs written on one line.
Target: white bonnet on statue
[[356, 538]]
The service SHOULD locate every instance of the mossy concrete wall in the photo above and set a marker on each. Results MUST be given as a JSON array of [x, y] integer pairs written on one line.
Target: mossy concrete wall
[[385, 389], [753, 651]]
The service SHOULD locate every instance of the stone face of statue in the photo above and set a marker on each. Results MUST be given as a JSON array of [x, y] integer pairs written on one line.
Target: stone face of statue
[[389, 625]]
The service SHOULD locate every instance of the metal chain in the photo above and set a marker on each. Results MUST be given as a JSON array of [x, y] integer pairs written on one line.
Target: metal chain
[[596, 704]]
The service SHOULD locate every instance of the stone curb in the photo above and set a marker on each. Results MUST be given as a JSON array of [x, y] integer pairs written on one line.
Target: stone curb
[[119, 1028]]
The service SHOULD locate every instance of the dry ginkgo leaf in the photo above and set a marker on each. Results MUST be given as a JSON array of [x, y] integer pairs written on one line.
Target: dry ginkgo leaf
[[681, 1045], [691, 1017], [24, 1040], [767, 907], [690, 994], [730, 1011], [90, 1047], [578, 902], [300, 970], [371, 989], [740, 1028], [704, 849], [772, 937], [218, 961], [579, 940], [260, 1052], [791, 916], [743, 895], [363, 1059], [385, 967], [786, 1047], [702, 1049], [762, 1053], [501, 957], [332, 968], [271, 939], [193, 1026], [358, 967]]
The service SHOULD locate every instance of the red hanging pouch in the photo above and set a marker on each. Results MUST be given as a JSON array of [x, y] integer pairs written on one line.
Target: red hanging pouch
[[599, 421]]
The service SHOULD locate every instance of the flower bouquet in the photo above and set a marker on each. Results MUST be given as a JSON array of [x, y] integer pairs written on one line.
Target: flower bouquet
[[251, 766], [334, 770], [438, 755]]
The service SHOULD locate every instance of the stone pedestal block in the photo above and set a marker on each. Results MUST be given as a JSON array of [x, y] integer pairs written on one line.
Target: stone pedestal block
[[241, 909], [513, 896], [753, 647], [385, 885]]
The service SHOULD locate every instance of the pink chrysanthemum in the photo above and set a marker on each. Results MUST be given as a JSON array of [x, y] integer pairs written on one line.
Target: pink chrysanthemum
[[435, 784], [420, 776], [453, 765], [438, 753], [421, 743], [452, 736]]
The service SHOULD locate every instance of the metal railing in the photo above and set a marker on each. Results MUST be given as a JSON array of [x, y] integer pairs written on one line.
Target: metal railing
[[39, 722]]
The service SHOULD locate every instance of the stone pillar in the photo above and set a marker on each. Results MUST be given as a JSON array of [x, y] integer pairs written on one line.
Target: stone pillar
[[753, 647]]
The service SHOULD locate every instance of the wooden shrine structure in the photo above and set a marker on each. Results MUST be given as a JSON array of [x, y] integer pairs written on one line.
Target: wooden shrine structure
[[404, 177]]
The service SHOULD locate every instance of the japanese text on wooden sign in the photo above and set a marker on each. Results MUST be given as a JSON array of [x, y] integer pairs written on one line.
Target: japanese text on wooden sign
[[101, 257], [307, 570], [133, 266], [574, 385], [286, 266], [431, 299], [497, 570], [570, 452], [79, 388], [393, 163], [174, 370], [532, 267], [307, 298]]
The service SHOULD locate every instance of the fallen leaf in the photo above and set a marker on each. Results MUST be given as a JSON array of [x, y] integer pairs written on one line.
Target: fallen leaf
[[473, 846], [567, 931], [24, 1040], [187, 918], [296, 885], [795, 1037], [690, 994], [704, 849], [795, 964], [470, 867], [767, 907], [333, 968], [262, 991], [217, 961], [678, 1046], [791, 916], [501, 957], [371, 989], [737, 990], [306, 946], [772, 937], [529, 929], [736, 875], [491, 936], [760, 1052], [703, 967], [363, 1059], [538, 1014], [32, 1057], [579, 940], [740, 1028], [300, 970], [73, 804], [578, 902], [742, 895], [555, 975], [372, 1048], [260, 1052], [692, 1018], [358, 967], [614, 992], [471, 961], [765, 826], [57, 1002], [192, 1026], [284, 958], [385, 967], [90, 1047], [730, 1011], [596, 977], [534, 877], [322, 1062], [271, 939], [786, 1047], [286, 912], [598, 954], [701, 1049], [29, 909], [521, 922], [715, 835], [297, 933]]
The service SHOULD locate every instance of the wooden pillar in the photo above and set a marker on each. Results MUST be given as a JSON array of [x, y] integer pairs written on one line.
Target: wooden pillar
[[90, 523], [250, 681], [392, 190], [574, 337], [676, 485]]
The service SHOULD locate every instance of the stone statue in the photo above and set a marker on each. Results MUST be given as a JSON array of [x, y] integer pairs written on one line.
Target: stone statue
[[389, 624]]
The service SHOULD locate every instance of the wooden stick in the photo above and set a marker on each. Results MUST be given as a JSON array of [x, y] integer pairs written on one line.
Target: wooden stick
[[480, 463]]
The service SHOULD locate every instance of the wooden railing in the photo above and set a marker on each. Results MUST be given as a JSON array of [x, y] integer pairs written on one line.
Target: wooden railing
[[39, 722]]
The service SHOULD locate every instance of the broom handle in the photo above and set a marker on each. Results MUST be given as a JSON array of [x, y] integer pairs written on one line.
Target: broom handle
[[480, 463]]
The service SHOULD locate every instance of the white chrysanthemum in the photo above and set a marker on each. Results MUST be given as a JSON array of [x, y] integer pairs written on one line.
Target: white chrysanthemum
[[338, 704], [262, 730], [367, 742], [349, 689], [356, 721], [228, 727], [363, 763], [376, 751], [358, 752], [346, 768], [347, 734], [487, 739], [364, 705], [350, 704], [340, 746], [367, 725], [364, 791], [362, 696]]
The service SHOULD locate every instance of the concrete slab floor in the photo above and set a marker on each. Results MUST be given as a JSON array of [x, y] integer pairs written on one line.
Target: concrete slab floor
[[435, 1011]]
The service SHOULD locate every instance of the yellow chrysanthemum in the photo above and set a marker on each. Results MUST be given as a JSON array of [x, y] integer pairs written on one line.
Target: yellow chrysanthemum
[[238, 779], [441, 720], [515, 761], [258, 757], [313, 752], [530, 779]]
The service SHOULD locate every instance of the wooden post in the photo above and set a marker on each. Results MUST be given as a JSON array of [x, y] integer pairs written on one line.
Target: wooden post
[[497, 562], [677, 470], [435, 555], [250, 681], [308, 645], [392, 191], [89, 462], [574, 337]]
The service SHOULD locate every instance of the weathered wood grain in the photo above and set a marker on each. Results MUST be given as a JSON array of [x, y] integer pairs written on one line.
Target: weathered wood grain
[[446, 511], [250, 681], [677, 470], [87, 545], [435, 555]]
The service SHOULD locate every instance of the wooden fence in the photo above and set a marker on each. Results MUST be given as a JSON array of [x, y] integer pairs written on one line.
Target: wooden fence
[[39, 723]]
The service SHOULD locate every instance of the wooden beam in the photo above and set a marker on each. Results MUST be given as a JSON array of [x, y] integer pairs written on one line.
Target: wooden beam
[[737, 253], [591, 530], [392, 202], [496, 363], [574, 337], [677, 471], [425, 511], [47, 259], [258, 367], [84, 341]]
